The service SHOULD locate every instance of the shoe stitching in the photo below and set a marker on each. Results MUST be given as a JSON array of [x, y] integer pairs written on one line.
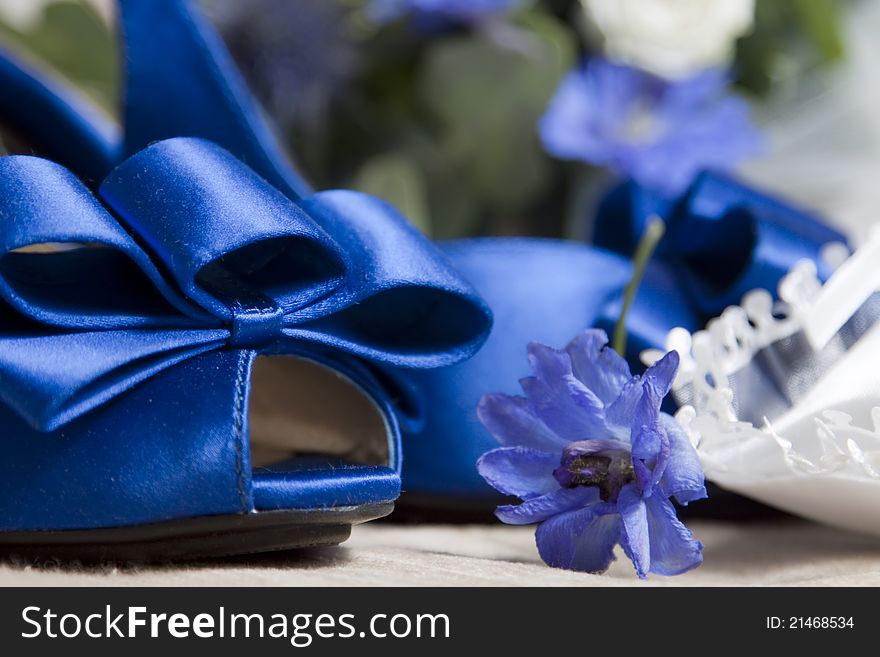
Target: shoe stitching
[[238, 425]]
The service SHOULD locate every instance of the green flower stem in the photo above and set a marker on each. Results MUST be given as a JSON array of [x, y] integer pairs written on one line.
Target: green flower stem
[[645, 249]]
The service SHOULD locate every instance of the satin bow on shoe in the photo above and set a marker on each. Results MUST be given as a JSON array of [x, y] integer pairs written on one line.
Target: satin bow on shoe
[[195, 252], [723, 238]]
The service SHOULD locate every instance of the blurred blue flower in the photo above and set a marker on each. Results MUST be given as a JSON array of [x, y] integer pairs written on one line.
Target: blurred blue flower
[[594, 461], [660, 133], [435, 13]]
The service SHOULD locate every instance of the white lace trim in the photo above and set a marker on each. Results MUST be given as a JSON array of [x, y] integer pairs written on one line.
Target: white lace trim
[[844, 448], [731, 340], [826, 442]]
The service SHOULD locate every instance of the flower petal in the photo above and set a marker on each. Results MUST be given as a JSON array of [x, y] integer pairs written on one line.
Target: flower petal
[[619, 414], [559, 399], [568, 127], [512, 422], [644, 475], [590, 447], [538, 509], [683, 477], [548, 363], [519, 471], [691, 92], [566, 407], [580, 540], [648, 440], [691, 125], [662, 373], [598, 366], [645, 425], [674, 550], [635, 538]]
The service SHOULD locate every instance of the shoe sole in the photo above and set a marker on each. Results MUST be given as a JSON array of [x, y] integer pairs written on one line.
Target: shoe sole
[[189, 539], [421, 508]]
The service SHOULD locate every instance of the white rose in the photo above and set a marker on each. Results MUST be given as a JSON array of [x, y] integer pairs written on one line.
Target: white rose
[[672, 38]]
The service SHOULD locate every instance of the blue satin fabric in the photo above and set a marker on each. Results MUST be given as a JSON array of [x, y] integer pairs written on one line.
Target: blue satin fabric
[[175, 446], [174, 57], [206, 255], [125, 362], [723, 238], [58, 122], [539, 290]]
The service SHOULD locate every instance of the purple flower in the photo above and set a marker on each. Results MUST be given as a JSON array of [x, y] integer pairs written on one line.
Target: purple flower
[[594, 461], [430, 13], [660, 133]]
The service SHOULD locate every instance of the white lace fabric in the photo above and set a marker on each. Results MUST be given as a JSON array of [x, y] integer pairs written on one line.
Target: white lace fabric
[[820, 456]]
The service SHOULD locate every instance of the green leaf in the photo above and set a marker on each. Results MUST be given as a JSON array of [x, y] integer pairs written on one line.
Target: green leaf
[[486, 93], [790, 38], [395, 178], [73, 40], [820, 21]]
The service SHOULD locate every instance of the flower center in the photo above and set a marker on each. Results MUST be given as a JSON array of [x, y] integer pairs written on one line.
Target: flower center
[[641, 126], [608, 470]]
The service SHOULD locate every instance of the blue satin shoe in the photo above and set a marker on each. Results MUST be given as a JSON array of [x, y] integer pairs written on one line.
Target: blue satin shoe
[[186, 356], [722, 236]]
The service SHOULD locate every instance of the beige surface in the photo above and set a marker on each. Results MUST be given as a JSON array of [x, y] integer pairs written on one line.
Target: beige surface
[[786, 553]]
